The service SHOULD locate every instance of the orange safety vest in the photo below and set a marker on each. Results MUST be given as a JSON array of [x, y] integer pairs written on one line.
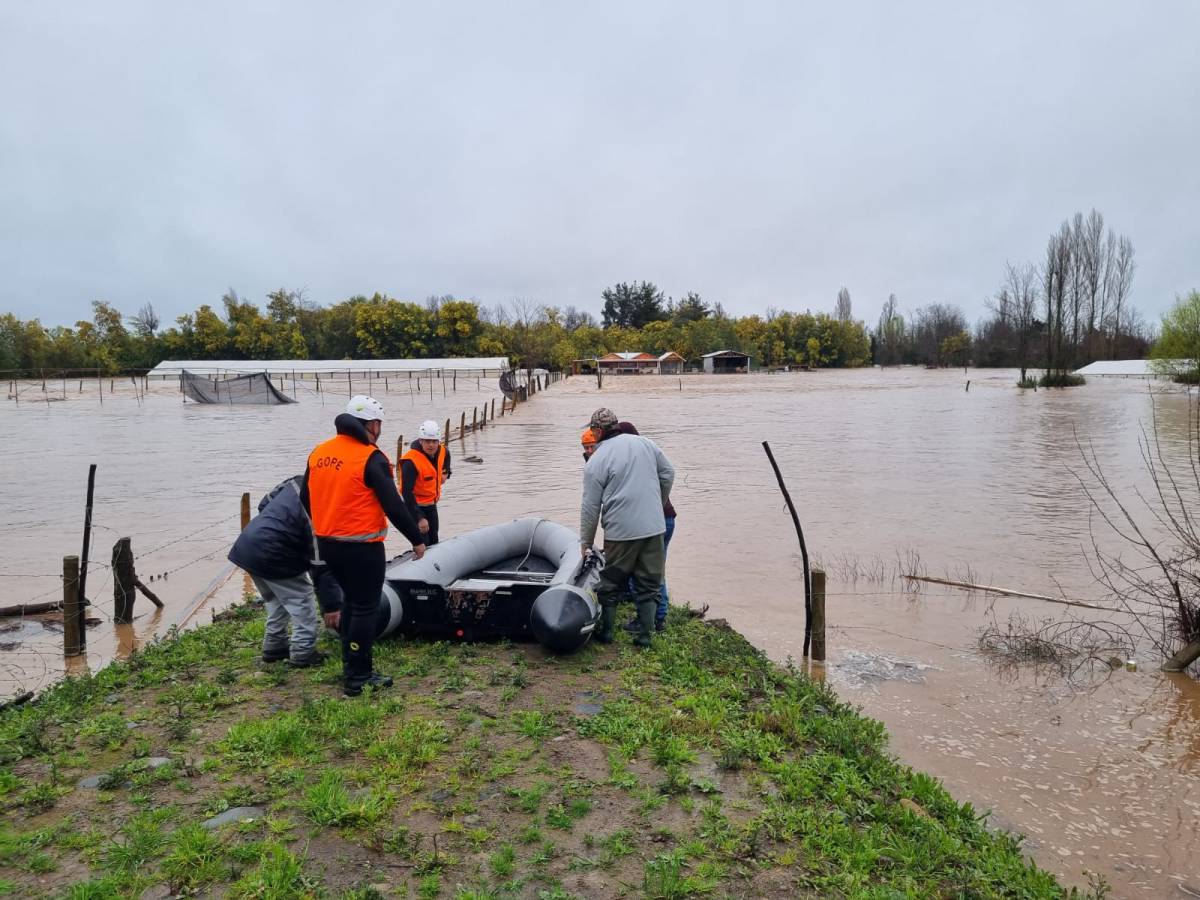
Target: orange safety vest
[[427, 490], [343, 507]]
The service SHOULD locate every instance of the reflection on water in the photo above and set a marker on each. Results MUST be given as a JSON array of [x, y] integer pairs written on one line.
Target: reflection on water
[[885, 467]]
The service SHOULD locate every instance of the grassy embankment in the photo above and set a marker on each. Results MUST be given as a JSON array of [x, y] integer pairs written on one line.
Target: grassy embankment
[[697, 768]]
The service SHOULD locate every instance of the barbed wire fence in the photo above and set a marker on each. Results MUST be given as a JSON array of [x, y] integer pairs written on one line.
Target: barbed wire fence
[[31, 643]]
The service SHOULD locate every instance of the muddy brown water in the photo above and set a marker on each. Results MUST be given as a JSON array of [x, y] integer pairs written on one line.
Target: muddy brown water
[[889, 469]]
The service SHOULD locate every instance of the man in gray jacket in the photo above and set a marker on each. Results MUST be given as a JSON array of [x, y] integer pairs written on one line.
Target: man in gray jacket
[[625, 484]]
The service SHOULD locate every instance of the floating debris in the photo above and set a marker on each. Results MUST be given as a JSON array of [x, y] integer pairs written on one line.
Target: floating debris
[[857, 668]]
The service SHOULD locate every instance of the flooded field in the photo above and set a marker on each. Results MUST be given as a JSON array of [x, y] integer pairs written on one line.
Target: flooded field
[[887, 468]]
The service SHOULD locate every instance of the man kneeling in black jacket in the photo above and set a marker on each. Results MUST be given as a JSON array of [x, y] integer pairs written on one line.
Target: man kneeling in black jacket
[[275, 549]]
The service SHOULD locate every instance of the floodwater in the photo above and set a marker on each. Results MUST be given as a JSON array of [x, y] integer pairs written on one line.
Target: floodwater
[[889, 470]]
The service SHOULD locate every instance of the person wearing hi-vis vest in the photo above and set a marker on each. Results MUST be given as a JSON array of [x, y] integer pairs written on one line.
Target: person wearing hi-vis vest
[[424, 468], [349, 494]]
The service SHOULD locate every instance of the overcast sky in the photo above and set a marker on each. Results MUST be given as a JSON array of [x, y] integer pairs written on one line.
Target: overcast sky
[[761, 154]]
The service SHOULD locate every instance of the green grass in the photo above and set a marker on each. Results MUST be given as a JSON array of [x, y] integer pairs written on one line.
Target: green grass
[[329, 802], [503, 861], [279, 875], [707, 767]]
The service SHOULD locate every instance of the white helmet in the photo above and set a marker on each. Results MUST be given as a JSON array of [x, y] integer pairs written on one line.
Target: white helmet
[[366, 408], [429, 431]]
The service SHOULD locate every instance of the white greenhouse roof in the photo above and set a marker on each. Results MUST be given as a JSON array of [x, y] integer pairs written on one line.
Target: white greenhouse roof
[[173, 367], [1134, 368]]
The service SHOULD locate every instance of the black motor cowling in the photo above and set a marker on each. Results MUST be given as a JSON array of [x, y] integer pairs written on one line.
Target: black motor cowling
[[564, 617]]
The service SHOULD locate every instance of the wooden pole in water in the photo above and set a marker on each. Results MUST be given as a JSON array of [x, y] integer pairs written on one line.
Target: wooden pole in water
[[74, 630], [455, 377], [808, 611], [149, 594], [462, 427], [87, 534], [100, 384], [988, 589], [494, 408], [446, 432], [474, 418], [399, 453], [245, 510], [124, 591], [818, 615]]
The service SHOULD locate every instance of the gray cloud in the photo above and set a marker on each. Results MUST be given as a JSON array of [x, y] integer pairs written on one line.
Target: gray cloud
[[761, 154]]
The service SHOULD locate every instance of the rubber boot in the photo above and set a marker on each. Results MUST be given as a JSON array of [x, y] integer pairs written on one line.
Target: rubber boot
[[608, 621], [646, 610]]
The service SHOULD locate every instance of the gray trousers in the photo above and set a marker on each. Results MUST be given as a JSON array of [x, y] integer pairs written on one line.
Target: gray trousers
[[289, 598]]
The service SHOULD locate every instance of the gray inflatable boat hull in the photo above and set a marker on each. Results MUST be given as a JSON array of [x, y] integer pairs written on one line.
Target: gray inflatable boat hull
[[521, 579]]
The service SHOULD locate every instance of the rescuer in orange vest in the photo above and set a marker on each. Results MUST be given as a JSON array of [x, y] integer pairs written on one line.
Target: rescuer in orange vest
[[424, 468], [349, 494]]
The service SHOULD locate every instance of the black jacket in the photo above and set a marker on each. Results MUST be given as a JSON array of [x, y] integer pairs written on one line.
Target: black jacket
[[377, 475], [278, 543]]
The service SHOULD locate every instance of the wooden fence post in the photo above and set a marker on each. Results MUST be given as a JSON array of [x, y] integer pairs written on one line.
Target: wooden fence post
[[87, 537], [818, 615], [74, 631], [124, 590], [245, 509]]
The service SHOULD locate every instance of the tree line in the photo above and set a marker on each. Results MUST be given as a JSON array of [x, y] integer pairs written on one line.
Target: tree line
[[1069, 309], [637, 316]]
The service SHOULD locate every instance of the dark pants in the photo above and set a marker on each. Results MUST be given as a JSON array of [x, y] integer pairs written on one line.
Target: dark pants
[[359, 570], [660, 612], [641, 561], [431, 516]]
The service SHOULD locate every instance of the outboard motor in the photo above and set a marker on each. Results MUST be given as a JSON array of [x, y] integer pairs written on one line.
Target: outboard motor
[[564, 617]]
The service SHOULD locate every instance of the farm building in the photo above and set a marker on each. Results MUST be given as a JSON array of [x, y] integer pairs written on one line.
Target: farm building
[[671, 363], [639, 363], [725, 362]]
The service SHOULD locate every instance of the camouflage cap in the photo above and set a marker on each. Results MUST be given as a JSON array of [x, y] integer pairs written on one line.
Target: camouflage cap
[[603, 419]]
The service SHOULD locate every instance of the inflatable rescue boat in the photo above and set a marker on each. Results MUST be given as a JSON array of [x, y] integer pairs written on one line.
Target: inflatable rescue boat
[[520, 579]]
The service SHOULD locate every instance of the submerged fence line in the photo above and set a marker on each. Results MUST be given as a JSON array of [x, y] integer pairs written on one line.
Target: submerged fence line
[[78, 603]]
